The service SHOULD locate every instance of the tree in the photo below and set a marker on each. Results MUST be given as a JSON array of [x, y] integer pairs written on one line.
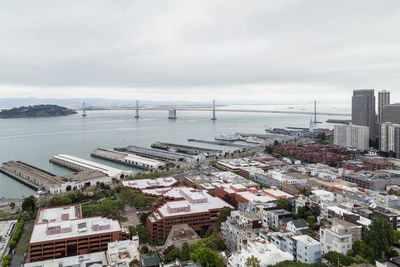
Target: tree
[[334, 257], [142, 233], [132, 230], [13, 244], [185, 253], [172, 255], [29, 204], [222, 216], [144, 250], [12, 205], [379, 238], [207, 257], [143, 217], [252, 262], [302, 213], [283, 204]]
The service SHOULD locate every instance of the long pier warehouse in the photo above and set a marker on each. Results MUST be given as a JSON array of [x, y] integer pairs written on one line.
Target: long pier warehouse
[[191, 150], [40, 179], [162, 155], [78, 164], [128, 159]]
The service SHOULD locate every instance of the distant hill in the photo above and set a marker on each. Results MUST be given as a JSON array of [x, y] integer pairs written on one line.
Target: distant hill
[[36, 112]]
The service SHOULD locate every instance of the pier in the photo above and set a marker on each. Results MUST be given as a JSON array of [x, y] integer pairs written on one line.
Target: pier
[[169, 156], [219, 143], [29, 175], [191, 150], [128, 159], [78, 164]]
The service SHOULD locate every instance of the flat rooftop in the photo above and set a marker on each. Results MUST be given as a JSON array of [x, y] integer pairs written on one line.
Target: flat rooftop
[[93, 259], [306, 239], [59, 214], [196, 201], [74, 228], [128, 156], [150, 183], [110, 171]]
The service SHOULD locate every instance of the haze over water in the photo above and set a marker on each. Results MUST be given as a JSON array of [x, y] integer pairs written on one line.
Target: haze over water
[[36, 140]]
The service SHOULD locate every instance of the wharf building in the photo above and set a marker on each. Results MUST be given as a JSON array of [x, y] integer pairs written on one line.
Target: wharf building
[[128, 159], [168, 156], [40, 179], [363, 110], [183, 205], [78, 164], [352, 136], [62, 232]]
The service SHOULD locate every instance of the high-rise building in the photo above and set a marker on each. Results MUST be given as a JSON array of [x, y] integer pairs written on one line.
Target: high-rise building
[[352, 136], [383, 100], [363, 110], [390, 138], [391, 113]]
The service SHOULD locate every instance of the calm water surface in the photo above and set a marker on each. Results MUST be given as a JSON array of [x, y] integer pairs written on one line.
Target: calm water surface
[[36, 140]]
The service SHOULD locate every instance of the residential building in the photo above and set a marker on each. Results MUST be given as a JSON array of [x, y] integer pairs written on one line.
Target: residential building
[[239, 229], [266, 253], [363, 110], [183, 205], [298, 226], [62, 232], [121, 253], [277, 218], [352, 136], [302, 247], [383, 100], [143, 184], [339, 236], [390, 138]]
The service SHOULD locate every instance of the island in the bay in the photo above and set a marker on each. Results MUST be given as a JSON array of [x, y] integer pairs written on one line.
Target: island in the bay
[[36, 112]]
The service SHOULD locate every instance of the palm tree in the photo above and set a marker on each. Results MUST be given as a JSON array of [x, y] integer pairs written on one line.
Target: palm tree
[[252, 262]]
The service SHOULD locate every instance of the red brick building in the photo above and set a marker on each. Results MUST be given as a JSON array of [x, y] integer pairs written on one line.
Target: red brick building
[[62, 232], [183, 205]]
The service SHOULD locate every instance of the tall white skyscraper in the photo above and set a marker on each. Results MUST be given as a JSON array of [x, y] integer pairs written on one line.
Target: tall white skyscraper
[[352, 136], [390, 138]]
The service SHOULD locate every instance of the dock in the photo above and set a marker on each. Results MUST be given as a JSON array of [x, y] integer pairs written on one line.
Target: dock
[[40, 179], [191, 150], [169, 156], [128, 159], [219, 143], [29, 175], [78, 164]]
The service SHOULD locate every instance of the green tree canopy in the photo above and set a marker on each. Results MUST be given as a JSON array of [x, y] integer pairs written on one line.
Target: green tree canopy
[[29, 204], [283, 204], [207, 257], [252, 262]]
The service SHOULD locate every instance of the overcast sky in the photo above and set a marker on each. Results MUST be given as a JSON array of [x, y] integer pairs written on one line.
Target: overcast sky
[[255, 51]]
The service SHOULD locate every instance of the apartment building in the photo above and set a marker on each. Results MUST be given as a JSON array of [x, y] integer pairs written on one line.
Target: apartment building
[[339, 235], [303, 248], [239, 229], [351, 136]]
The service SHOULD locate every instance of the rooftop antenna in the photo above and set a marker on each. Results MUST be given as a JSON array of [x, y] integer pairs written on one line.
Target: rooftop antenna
[[213, 117], [84, 109], [137, 109]]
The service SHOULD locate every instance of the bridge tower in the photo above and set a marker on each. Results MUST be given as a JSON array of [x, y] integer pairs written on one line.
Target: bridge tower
[[137, 109], [84, 109], [213, 117]]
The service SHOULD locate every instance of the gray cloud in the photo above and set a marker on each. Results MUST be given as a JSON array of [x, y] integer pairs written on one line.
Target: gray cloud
[[273, 50]]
